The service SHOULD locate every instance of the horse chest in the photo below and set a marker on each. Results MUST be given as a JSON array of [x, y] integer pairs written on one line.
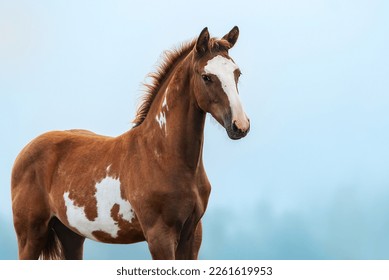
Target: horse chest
[[114, 214]]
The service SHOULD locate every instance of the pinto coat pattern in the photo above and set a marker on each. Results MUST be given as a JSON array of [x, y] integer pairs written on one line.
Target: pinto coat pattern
[[148, 184]]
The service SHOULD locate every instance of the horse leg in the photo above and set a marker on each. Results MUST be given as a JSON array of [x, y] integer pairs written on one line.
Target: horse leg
[[189, 245], [31, 239], [72, 243], [198, 237], [31, 225], [162, 241]]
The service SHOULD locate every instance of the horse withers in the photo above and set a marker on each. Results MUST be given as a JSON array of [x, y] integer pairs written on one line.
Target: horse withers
[[148, 184]]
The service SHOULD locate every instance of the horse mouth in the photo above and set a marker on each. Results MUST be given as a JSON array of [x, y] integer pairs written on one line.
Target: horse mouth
[[236, 134]]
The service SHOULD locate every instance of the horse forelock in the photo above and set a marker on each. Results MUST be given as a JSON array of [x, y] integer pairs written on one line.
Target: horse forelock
[[170, 59], [218, 45]]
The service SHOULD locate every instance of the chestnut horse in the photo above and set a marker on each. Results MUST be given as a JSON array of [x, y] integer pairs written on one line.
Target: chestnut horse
[[148, 184]]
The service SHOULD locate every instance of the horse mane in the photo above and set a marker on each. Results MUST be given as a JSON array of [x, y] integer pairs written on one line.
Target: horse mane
[[170, 58]]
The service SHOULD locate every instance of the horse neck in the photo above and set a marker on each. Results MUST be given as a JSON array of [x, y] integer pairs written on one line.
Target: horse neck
[[174, 125]]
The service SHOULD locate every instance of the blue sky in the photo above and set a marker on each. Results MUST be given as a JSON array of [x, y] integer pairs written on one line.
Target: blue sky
[[311, 179]]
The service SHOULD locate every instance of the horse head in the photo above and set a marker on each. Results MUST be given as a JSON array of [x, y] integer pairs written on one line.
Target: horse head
[[215, 82]]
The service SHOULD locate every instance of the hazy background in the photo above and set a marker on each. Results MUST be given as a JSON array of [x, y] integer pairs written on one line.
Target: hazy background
[[311, 179]]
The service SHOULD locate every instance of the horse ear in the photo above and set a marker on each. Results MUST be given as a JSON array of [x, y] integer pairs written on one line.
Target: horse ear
[[232, 36], [202, 41]]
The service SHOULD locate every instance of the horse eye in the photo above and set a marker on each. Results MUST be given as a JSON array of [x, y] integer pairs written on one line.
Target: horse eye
[[206, 78]]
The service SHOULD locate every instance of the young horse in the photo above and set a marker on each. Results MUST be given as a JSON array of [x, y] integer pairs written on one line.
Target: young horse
[[148, 184]]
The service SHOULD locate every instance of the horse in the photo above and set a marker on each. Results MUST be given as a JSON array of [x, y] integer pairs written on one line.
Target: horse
[[147, 184]]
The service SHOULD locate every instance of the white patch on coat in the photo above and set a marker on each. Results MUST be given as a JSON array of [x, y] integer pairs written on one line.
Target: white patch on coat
[[161, 117], [224, 68], [164, 103], [107, 195]]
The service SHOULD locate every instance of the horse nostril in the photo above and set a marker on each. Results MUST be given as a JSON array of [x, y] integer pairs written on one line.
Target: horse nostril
[[234, 127]]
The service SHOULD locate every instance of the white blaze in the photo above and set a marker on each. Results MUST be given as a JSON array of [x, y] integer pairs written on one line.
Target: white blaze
[[107, 195], [224, 69]]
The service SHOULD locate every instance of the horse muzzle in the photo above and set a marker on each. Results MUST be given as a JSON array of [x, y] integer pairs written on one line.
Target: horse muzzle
[[238, 129]]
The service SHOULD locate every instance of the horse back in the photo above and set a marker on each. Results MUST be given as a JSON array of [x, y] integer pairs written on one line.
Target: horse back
[[42, 154]]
